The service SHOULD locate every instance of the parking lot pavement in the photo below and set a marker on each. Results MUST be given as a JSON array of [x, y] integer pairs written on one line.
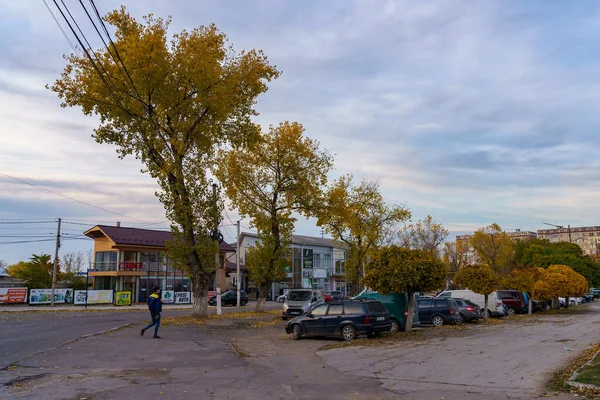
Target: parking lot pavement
[[511, 360], [221, 360]]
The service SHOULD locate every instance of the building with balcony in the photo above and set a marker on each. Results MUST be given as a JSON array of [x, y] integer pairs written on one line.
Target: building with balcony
[[587, 237], [132, 259], [463, 244], [314, 262]]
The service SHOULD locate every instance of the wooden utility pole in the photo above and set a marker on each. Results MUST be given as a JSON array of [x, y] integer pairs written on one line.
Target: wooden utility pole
[[54, 269]]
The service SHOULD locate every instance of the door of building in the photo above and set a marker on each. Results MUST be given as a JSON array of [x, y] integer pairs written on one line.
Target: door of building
[[130, 287]]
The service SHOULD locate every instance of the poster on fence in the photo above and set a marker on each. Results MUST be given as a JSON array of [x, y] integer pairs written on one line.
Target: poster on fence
[[168, 296], [182, 298], [94, 296], [44, 296], [123, 298], [13, 295]]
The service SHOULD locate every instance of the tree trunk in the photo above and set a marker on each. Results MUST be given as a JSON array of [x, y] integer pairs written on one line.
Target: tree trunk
[[566, 302], [263, 289], [555, 304], [485, 311], [410, 312], [530, 311], [200, 291]]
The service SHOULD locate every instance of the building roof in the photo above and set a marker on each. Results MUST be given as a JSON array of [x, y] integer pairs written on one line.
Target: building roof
[[138, 237], [308, 240], [232, 267]]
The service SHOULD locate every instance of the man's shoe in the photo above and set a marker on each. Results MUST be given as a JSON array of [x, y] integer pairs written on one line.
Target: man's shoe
[[156, 337], [142, 332]]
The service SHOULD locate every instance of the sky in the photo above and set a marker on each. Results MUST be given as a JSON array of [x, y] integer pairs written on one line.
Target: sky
[[472, 112]]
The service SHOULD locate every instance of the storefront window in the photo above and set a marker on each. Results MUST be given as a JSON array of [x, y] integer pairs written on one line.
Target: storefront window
[[152, 261]]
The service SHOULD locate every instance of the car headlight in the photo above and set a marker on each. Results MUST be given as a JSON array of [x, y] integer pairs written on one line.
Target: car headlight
[[285, 306], [306, 307]]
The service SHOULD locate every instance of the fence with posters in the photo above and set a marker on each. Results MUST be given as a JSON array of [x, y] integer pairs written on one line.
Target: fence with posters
[[183, 298], [168, 296], [93, 297], [13, 295], [123, 298], [44, 296]]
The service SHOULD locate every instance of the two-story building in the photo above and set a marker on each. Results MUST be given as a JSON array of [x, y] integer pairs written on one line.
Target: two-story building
[[135, 260], [314, 262]]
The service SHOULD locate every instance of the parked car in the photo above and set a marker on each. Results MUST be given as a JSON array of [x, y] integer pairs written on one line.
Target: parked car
[[229, 298], [513, 300], [595, 292], [327, 298], [346, 319], [468, 310], [587, 298], [299, 301], [541, 305], [281, 298], [397, 306], [337, 295], [438, 311], [495, 306]]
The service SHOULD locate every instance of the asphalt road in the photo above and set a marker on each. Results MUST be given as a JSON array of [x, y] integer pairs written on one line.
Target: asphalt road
[[27, 333]]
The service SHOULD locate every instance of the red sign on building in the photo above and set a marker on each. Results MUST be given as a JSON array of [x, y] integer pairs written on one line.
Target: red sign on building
[[130, 266]]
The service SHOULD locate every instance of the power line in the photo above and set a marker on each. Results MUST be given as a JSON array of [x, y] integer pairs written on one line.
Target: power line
[[60, 27], [70, 198], [24, 222]]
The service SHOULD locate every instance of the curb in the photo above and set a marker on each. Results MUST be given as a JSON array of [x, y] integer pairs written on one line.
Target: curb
[[571, 381]]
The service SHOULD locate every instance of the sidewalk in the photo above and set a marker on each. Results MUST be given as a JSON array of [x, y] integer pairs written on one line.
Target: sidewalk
[[269, 305]]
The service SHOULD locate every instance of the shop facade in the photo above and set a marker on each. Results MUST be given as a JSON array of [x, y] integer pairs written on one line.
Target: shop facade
[[132, 259], [313, 262]]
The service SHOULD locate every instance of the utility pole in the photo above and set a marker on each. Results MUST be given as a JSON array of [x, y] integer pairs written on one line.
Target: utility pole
[[217, 259], [55, 264], [237, 262]]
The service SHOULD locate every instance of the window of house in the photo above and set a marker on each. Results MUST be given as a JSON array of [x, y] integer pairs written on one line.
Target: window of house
[[151, 261], [106, 260]]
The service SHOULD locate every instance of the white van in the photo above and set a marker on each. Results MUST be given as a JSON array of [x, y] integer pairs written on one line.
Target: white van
[[299, 301], [495, 306]]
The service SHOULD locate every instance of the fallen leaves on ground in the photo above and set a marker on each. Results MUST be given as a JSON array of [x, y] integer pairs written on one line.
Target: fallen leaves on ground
[[242, 315]]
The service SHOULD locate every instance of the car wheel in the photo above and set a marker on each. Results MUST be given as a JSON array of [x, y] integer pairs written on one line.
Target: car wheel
[[489, 313], [348, 333], [437, 320], [510, 311], [296, 332], [463, 318], [395, 326], [243, 303]]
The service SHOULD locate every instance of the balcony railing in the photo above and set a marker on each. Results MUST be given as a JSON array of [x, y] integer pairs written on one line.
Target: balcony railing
[[131, 266]]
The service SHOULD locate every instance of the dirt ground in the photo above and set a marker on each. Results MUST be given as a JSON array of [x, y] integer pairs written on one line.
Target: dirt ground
[[255, 359]]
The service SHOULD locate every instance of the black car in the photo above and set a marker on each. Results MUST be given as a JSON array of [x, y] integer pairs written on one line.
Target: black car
[[230, 299], [346, 319], [468, 310], [438, 311]]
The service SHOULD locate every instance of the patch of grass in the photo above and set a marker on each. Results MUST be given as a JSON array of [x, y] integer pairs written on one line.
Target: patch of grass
[[590, 373], [242, 315], [559, 379]]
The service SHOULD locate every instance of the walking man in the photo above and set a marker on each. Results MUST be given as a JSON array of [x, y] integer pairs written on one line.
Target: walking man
[[155, 307]]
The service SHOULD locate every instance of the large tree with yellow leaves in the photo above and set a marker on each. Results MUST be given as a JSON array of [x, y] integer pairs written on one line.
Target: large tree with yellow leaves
[[171, 104]]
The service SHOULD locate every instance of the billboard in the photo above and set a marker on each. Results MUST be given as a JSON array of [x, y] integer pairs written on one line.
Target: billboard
[[183, 298], [44, 296], [13, 295], [94, 296], [123, 298], [168, 296]]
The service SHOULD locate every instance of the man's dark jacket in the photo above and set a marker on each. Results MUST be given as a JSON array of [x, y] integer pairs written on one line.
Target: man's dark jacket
[[154, 304]]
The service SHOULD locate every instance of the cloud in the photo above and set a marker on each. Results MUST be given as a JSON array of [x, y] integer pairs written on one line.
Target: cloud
[[472, 112]]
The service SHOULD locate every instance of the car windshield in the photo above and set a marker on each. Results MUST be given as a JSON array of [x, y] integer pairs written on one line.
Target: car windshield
[[299, 296]]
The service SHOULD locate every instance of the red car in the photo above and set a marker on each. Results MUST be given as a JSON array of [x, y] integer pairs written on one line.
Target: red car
[[327, 298]]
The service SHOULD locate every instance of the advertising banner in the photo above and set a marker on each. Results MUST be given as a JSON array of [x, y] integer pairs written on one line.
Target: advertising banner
[[94, 296], [13, 295], [168, 296], [44, 296], [123, 298], [183, 298], [307, 258]]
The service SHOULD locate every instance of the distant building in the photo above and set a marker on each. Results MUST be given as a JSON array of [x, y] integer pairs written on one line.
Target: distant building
[[7, 281], [587, 237], [464, 247]]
